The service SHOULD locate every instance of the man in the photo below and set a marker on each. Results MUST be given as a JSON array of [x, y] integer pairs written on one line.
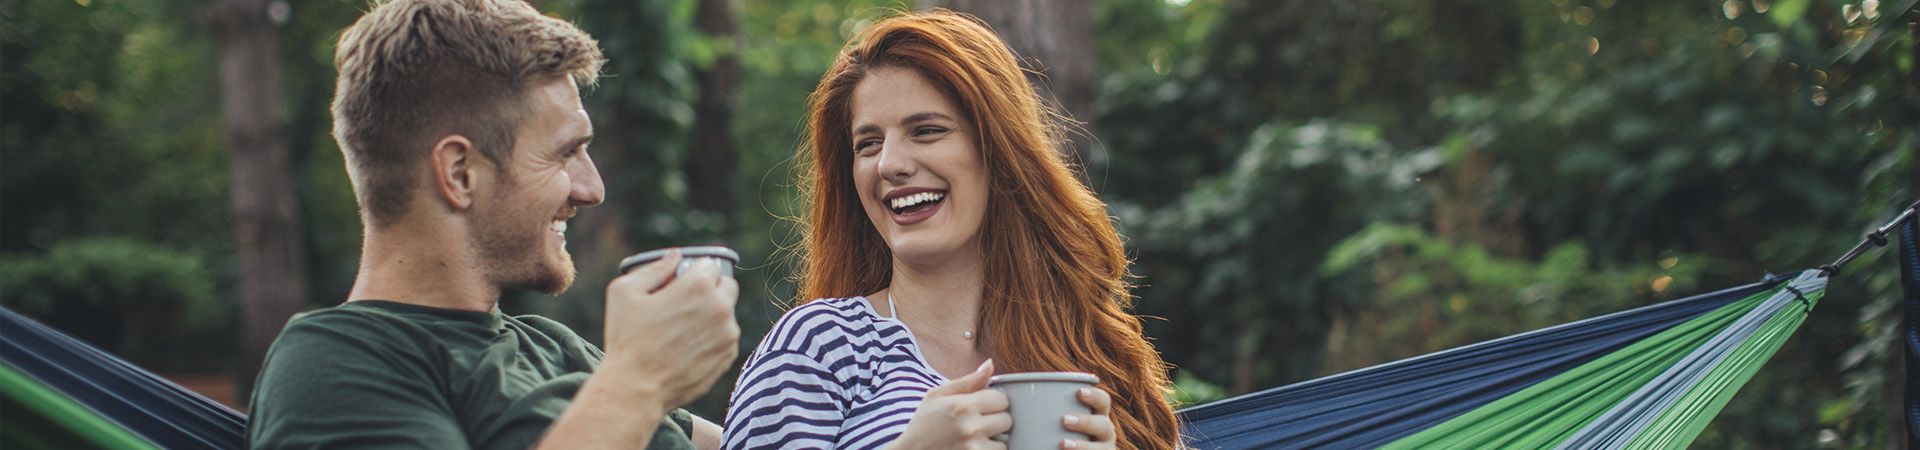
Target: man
[[466, 142]]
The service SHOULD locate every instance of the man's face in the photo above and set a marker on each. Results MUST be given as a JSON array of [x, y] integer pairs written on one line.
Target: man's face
[[520, 227]]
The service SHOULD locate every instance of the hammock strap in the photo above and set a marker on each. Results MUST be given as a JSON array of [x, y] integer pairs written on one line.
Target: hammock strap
[[1910, 323]]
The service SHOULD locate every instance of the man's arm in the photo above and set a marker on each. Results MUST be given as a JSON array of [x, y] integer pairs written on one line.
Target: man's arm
[[668, 338], [706, 435], [611, 411]]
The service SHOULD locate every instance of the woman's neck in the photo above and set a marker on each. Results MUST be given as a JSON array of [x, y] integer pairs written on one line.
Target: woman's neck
[[940, 303], [947, 291]]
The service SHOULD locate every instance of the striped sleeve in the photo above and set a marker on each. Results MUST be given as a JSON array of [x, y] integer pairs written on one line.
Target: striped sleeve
[[785, 398]]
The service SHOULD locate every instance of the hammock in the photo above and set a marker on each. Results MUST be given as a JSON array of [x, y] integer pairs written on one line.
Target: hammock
[[1651, 377], [77, 396]]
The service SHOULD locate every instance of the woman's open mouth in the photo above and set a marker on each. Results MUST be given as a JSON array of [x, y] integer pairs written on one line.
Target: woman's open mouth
[[913, 208]]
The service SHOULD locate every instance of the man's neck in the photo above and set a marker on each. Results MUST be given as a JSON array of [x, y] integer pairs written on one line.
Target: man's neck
[[422, 264]]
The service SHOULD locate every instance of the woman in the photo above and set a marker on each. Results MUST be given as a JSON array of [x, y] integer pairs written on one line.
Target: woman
[[947, 239]]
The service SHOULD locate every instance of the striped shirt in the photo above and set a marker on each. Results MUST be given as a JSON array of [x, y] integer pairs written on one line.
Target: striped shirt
[[831, 373]]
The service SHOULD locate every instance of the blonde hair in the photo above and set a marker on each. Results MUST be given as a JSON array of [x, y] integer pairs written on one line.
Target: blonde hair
[[414, 71], [1056, 294]]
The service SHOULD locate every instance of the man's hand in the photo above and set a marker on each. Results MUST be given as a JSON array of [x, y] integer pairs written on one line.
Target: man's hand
[[673, 334], [667, 339], [960, 414]]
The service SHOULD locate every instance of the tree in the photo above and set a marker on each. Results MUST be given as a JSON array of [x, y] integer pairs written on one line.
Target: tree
[[266, 216], [712, 158], [1054, 39]]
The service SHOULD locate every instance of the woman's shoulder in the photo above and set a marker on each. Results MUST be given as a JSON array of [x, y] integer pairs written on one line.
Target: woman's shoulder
[[806, 327]]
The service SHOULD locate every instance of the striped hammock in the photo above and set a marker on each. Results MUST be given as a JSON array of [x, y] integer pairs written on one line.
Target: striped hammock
[[1651, 377], [1643, 378]]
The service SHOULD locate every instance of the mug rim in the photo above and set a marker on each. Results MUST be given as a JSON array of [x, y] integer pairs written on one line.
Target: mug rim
[[1030, 377], [693, 251]]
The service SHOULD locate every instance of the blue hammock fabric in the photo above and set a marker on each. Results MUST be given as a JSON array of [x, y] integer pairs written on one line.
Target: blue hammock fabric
[[1373, 406], [146, 404]]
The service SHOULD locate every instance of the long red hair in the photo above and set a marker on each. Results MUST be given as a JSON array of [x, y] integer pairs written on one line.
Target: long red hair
[[1057, 293]]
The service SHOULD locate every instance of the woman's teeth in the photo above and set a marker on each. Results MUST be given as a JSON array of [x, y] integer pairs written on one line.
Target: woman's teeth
[[559, 226], [905, 201]]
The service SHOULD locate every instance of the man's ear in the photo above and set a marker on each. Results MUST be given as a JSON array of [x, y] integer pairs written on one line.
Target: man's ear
[[456, 170]]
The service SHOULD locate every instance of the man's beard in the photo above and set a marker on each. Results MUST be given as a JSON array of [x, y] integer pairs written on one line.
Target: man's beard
[[521, 264]]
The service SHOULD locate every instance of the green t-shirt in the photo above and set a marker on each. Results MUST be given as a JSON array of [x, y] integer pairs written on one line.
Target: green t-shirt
[[382, 374]]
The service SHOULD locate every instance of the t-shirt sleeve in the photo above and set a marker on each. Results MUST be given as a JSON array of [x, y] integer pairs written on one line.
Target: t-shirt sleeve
[[785, 398], [335, 381]]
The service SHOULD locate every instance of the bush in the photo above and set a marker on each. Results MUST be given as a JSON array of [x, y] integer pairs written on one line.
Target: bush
[[143, 302]]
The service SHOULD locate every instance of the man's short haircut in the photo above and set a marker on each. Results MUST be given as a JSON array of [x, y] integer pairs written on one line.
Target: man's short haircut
[[415, 71]]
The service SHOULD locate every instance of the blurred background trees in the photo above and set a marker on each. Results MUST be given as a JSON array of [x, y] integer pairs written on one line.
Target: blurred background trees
[[1308, 187]]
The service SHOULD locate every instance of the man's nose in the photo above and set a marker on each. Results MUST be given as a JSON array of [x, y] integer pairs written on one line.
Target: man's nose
[[588, 189]]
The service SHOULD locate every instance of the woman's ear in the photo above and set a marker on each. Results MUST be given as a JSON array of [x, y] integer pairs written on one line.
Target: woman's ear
[[454, 161]]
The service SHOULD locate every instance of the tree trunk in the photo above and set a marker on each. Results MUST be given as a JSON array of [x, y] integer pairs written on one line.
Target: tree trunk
[[265, 214], [710, 161], [1054, 39]]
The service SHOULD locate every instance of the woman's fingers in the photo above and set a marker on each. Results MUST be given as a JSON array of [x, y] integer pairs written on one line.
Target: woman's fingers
[[1100, 428], [1097, 399]]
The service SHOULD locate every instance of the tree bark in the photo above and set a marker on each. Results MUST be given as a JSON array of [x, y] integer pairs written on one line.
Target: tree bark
[[711, 160], [266, 216], [1054, 39]]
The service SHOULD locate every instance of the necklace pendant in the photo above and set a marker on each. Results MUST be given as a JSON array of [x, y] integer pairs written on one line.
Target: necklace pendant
[[968, 335]]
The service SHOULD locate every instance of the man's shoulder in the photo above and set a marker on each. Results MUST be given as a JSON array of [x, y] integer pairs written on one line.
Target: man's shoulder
[[352, 319], [549, 327]]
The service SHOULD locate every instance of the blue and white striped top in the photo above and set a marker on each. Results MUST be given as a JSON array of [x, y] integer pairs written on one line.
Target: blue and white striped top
[[831, 373]]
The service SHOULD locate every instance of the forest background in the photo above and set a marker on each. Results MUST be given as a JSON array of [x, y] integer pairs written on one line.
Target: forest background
[[1306, 187]]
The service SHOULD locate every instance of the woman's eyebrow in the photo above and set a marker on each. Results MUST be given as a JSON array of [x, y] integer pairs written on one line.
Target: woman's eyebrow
[[913, 119], [925, 116]]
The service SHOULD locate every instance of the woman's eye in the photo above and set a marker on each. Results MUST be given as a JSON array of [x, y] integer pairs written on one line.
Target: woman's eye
[[928, 131], [866, 146]]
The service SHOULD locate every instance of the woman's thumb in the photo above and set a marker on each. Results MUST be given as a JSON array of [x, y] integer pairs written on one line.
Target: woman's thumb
[[970, 383]]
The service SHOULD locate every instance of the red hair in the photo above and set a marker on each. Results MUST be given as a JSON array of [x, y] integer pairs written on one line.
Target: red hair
[[1056, 295]]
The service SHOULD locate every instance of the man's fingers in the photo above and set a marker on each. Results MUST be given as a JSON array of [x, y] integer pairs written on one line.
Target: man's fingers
[[967, 384], [654, 275], [698, 277], [730, 290]]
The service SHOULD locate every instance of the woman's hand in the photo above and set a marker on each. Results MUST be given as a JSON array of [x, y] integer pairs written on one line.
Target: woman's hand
[[1098, 425], [962, 413]]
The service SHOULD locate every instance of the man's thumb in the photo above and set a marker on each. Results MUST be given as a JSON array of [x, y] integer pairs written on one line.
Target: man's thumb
[[967, 384], [655, 275]]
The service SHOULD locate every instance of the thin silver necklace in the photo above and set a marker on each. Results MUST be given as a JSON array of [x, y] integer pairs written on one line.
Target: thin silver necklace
[[895, 314]]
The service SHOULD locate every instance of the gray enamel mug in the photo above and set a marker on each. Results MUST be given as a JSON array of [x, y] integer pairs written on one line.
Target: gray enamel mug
[[721, 257], [1038, 402]]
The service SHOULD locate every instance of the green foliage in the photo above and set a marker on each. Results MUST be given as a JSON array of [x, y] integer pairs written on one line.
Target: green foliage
[[1191, 390], [1521, 164], [127, 296]]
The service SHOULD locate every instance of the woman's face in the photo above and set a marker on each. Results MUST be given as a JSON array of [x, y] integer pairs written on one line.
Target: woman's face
[[915, 167]]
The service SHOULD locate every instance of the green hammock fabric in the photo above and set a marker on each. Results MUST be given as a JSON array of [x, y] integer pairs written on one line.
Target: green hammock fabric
[[1656, 393], [52, 420]]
